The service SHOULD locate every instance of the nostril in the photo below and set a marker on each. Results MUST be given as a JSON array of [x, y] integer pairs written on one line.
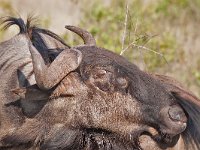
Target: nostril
[[177, 114]]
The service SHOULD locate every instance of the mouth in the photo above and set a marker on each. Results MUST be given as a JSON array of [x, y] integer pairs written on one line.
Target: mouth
[[152, 138], [163, 137], [172, 123], [157, 136]]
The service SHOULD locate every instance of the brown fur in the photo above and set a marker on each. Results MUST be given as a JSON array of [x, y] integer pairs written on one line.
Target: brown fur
[[105, 103]]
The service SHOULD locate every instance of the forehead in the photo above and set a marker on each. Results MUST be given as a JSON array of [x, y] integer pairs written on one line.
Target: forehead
[[95, 56]]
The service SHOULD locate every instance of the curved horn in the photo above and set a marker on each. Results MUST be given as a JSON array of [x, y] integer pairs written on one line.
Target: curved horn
[[85, 35], [48, 76]]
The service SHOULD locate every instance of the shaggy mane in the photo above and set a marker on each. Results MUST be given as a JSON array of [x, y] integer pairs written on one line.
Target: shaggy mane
[[30, 27]]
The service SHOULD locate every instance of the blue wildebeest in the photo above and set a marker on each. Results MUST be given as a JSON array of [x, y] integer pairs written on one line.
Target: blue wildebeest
[[53, 96]]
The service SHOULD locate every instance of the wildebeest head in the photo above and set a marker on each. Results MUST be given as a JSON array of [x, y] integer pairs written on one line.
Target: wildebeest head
[[114, 93], [88, 87]]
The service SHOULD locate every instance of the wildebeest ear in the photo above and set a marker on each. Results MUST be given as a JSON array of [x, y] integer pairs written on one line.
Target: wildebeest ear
[[32, 99], [30, 93]]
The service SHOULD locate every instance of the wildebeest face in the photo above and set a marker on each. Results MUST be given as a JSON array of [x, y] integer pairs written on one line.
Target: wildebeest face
[[133, 95], [109, 93]]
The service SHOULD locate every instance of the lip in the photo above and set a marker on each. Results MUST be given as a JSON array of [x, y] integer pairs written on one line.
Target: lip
[[175, 129]]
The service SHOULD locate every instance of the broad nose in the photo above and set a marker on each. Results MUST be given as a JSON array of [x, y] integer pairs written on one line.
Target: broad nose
[[176, 113]]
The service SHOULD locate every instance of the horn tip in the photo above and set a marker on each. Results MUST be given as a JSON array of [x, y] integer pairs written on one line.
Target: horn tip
[[69, 27]]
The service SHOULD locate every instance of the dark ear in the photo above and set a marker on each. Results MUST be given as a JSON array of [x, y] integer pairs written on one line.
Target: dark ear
[[32, 99], [31, 93], [191, 105]]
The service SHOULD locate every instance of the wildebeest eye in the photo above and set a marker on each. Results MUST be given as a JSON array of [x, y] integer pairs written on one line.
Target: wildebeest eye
[[100, 74], [122, 82], [102, 79]]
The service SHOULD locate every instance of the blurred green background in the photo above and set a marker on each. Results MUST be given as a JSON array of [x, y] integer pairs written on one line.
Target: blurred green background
[[160, 36]]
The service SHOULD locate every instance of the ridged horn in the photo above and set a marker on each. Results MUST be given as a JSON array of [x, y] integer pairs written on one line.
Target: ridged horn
[[85, 35], [48, 76]]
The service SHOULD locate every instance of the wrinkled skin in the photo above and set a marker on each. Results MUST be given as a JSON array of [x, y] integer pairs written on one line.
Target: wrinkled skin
[[87, 97]]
